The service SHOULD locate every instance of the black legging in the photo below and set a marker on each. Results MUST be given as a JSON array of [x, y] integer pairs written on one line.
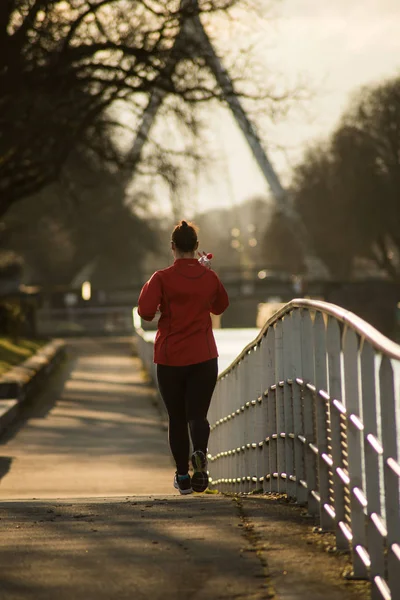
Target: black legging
[[186, 392]]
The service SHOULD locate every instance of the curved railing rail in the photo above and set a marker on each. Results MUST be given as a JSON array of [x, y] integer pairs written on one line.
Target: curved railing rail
[[311, 409]]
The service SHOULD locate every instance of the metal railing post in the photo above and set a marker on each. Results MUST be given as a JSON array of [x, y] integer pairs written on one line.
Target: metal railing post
[[335, 392], [322, 420], [307, 353], [391, 473], [299, 449], [237, 445], [272, 484], [258, 416], [376, 529], [288, 406], [265, 383], [354, 432], [280, 408]]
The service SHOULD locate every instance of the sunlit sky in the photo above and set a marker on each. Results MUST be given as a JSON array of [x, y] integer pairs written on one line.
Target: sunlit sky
[[336, 47]]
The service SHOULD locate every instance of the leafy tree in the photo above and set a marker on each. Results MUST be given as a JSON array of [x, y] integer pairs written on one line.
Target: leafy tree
[[348, 190], [374, 124]]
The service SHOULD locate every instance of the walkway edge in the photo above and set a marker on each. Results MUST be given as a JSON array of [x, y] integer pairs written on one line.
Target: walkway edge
[[20, 383]]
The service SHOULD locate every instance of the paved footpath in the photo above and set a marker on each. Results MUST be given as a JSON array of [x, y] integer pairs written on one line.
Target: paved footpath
[[88, 512]]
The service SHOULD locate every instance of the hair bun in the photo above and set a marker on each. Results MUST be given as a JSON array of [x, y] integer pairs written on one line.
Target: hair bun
[[184, 236]]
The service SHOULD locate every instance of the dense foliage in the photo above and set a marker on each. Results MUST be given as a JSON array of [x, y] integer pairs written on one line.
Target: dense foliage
[[348, 191]]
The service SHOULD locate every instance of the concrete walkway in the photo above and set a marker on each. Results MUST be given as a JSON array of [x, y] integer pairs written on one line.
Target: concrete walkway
[[88, 511], [95, 431]]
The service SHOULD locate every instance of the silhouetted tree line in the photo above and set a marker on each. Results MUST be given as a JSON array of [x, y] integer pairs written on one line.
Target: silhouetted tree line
[[348, 192]]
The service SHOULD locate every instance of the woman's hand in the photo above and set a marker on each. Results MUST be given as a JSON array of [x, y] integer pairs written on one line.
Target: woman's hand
[[205, 259]]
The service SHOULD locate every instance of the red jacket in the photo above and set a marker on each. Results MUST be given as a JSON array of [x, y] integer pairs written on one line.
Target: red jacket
[[185, 293]]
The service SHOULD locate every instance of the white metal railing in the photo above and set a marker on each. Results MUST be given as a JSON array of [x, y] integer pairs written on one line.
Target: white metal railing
[[145, 345], [311, 409]]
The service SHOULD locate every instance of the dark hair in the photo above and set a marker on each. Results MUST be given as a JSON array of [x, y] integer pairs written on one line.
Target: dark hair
[[184, 236]]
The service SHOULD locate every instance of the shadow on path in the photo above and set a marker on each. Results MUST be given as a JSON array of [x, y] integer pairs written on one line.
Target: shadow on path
[[163, 548], [5, 465]]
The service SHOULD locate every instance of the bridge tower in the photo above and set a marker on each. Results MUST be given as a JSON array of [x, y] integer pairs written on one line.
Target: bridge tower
[[193, 40]]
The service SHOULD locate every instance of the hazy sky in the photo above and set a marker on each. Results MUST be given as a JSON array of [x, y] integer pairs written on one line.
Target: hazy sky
[[335, 46]]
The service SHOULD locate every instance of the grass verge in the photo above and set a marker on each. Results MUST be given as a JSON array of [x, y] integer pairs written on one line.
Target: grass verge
[[14, 352]]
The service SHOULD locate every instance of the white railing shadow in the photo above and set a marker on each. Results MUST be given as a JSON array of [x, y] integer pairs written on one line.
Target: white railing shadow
[[311, 409]]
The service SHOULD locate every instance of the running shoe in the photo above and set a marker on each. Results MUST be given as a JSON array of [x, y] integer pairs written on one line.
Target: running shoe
[[200, 475], [182, 483]]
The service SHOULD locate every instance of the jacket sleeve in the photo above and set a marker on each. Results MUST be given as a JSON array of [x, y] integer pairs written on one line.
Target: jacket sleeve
[[150, 298], [220, 301]]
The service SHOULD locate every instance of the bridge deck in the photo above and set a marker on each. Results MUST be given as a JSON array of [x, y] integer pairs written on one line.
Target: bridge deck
[[88, 510]]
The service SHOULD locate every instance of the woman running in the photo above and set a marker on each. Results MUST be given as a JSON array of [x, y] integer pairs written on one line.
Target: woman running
[[185, 351]]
